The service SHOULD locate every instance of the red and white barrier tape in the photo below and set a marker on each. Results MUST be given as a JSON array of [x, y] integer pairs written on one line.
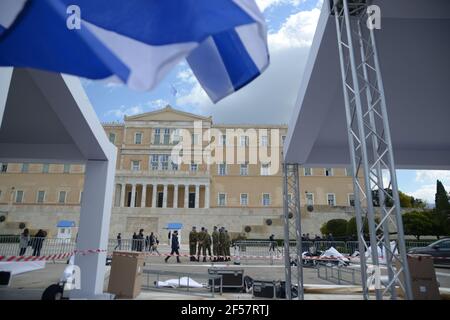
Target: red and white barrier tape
[[58, 256]]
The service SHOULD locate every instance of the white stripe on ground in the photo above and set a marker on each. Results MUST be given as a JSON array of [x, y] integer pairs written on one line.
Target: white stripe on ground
[[443, 274]]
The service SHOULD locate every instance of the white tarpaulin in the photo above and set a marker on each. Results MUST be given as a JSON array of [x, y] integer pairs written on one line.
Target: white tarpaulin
[[382, 252], [183, 282], [333, 253], [21, 267]]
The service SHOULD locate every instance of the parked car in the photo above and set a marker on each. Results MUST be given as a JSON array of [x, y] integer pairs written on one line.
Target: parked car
[[439, 249]]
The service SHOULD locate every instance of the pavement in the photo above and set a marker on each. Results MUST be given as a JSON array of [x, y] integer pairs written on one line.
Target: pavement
[[30, 285]]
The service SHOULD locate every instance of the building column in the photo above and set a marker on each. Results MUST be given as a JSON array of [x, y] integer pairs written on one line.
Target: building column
[[197, 195], [133, 195], [123, 194], [175, 196], [165, 196], [144, 195], [206, 195], [154, 201], [186, 196]]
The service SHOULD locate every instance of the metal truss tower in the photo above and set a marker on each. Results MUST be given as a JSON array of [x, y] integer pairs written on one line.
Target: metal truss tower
[[371, 154], [292, 231]]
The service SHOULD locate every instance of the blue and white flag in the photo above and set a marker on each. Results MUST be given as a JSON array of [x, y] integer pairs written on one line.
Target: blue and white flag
[[137, 41]]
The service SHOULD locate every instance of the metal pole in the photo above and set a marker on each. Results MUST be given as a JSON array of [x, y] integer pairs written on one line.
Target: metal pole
[[287, 258], [298, 230], [358, 209], [393, 175]]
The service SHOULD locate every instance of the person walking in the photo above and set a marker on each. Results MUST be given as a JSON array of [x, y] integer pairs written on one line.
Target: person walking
[[201, 245], [272, 243], [140, 240], [215, 243], [133, 242], [193, 237], [119, 241], [207, 245], [38, 242], [24, 241], [175, 246], [169, 235], [155, 244]]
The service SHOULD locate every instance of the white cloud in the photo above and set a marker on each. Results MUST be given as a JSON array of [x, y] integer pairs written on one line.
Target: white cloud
[[296, 32], [271, 97], [425, 176], [425, 192], [123, 110], [266, 4]]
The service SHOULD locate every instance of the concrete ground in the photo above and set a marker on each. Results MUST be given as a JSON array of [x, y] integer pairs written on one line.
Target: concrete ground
[[32, 284]]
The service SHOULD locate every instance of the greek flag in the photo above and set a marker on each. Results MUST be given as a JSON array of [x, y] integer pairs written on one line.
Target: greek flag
[[137, 42]]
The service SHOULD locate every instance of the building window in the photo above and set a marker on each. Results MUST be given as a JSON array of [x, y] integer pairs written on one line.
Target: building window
[[328, 172], [289, 197], [40, 196], [19, 196], [244, 169], [223, 140], [195, 139], [351, 200], [157, 136], [310, 199], [4, 167], [164, 162], [45, 168], [194, 166], [67, 168], [282, 139], [24, 167], [112, 137], [81, 196], [176, 135], [135, 165], [348, 172], [331, 199], [222, 169], [138, 138], [244, 199], [62, 197], [266, 199], [222, 199], [166, 136], [307, 172], [244, 141], [264, 141], [0, 194], [265, 169]]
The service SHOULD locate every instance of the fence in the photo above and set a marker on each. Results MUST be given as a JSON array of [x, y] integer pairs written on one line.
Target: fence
[[248, 249]]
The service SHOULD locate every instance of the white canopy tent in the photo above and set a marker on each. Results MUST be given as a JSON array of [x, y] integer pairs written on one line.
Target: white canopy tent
[[47, 118], [413, 48]]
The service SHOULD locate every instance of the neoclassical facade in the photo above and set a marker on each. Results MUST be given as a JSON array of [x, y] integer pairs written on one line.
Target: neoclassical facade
[[174, 166]]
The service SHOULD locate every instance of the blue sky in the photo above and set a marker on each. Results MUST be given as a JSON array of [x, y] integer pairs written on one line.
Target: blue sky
[[268, 99]]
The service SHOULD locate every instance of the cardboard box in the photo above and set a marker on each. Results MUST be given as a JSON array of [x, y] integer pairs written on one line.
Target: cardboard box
[[423, 277], [126, 274]]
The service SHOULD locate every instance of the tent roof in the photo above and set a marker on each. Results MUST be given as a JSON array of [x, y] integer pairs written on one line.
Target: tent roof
[[47, 117], [65, 224], [413, 47]]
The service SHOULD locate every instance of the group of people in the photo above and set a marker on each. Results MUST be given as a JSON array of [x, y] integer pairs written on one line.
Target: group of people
[[140, 242], [35, 242], [200, 244], [307, 237]]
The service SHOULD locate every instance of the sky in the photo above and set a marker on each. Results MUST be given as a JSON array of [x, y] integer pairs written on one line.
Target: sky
[[269, 99]]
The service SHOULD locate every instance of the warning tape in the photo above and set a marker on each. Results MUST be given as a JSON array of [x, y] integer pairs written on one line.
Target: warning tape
[[57, 256]]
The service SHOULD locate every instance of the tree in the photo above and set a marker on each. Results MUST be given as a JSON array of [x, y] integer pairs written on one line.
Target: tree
[[337, 227], [417, 223], [406, 201], [352, 229], [442, 209]]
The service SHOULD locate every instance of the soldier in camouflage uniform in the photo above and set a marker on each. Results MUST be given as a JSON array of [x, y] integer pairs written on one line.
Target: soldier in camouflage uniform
[[227, 245], [215, 242], [201, 244], [207, 245], [193, 237], [221, 244]]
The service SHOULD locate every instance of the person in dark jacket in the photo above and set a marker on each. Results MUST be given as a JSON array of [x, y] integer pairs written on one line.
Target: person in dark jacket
[[38, 241], [119, 242], [24, 242], [134, 241], [175, 246], [140, 240]]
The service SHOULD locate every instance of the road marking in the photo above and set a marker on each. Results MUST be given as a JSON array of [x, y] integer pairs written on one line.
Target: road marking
[[443, 274]]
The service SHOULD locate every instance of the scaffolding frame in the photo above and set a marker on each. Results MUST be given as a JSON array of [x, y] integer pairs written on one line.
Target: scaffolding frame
[[371, 151], [292, 230], [372, 165]]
